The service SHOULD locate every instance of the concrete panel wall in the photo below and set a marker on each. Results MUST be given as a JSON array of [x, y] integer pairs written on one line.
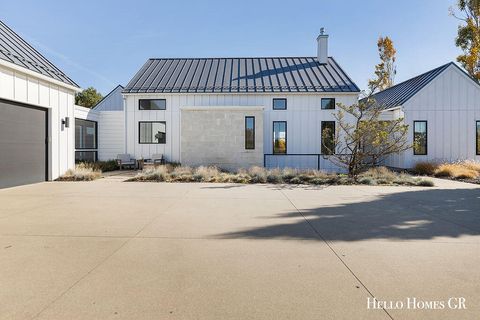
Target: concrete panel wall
[[59, 100], [216, 136]]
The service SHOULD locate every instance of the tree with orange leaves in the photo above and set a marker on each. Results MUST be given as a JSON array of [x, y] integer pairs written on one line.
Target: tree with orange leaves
[[384, 71], [468, 36]]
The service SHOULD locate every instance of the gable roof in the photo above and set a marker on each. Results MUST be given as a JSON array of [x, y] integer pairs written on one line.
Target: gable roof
[[113, 101], [240, 75], [17, 51], [399, 94]]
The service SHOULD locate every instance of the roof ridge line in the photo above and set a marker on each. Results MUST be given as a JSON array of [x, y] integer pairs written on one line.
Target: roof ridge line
[[415, 77]]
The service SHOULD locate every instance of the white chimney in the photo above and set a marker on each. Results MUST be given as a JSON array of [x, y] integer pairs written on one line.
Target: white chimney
[[322, 50]]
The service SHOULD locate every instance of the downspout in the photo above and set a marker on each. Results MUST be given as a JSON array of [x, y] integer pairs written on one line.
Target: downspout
[[125, 123]]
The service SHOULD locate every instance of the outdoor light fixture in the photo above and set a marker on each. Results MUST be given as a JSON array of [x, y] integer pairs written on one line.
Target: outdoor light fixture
[[66, 122]]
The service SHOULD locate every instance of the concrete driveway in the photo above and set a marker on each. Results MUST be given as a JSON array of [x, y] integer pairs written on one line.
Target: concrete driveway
[[113, 250]]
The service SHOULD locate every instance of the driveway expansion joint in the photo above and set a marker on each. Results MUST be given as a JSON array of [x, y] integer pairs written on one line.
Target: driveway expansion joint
[[329, 245]]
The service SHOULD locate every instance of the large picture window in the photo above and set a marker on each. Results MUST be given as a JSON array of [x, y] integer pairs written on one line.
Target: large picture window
[[85, 134], [249, 132], [152, 104], [478, 138], [279, 137], [152, 132], [420, 137], [328, 137]]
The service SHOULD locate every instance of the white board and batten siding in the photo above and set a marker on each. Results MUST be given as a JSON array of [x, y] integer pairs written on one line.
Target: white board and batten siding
[[451, 106], [40, 91], [303, 117]]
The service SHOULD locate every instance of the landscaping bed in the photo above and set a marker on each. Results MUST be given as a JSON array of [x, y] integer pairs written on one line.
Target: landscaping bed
[[466, 171], [374, 176]]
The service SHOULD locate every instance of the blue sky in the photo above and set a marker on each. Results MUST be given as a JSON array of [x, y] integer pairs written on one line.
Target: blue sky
[[103, 43]]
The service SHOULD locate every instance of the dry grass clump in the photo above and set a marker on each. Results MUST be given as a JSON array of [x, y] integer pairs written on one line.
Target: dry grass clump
[[82, 172], [376, 176], [465, 170], [456, 171]]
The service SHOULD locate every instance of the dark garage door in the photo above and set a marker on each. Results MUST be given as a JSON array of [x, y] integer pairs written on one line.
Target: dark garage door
[[23, 144]]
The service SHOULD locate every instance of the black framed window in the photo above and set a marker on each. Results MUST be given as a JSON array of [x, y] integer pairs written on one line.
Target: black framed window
[[85, 134], [152, 132], [86, 156], [420, 137], [328, 137], [279, 104], [328, 103], [249, 132], [152, 104], [478, 137], [279, 137]]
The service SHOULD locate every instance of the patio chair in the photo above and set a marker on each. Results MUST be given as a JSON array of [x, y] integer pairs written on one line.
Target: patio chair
[[125, 160], [158, 158], [155, 160]]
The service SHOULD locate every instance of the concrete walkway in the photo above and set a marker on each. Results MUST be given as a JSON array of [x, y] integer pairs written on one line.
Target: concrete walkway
[[125, 250]]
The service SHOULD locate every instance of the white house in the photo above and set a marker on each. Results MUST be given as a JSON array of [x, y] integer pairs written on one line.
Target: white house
[[100, 131], [236, 112], [36, 114], [442, 109]]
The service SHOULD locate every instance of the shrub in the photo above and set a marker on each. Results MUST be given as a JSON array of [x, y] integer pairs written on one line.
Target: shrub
[[425, 183], [381, 174], [103, 166], [366, 180], [425, 168], [288, 173], [257, 175], [274, 176], [82, 172], [159, 173], [206, 174]]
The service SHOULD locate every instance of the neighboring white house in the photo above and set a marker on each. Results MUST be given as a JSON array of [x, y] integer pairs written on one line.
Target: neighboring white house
[[99, 132], [442, 109], [36, 114], [236, 112]]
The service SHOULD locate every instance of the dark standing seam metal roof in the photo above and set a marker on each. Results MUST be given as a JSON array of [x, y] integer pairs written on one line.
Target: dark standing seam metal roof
[[400, 93], [16, 50], [230, 75]]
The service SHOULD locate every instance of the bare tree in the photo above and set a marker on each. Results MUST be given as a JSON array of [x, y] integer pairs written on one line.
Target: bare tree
[[362, 139]]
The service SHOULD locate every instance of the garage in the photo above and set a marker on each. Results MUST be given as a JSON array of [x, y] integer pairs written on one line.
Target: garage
[[23, 144], [37, 99]]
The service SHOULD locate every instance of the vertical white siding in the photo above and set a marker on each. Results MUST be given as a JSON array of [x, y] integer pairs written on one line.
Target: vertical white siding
[[303, 116], [111, 135], [450, 104], [18, 86]]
